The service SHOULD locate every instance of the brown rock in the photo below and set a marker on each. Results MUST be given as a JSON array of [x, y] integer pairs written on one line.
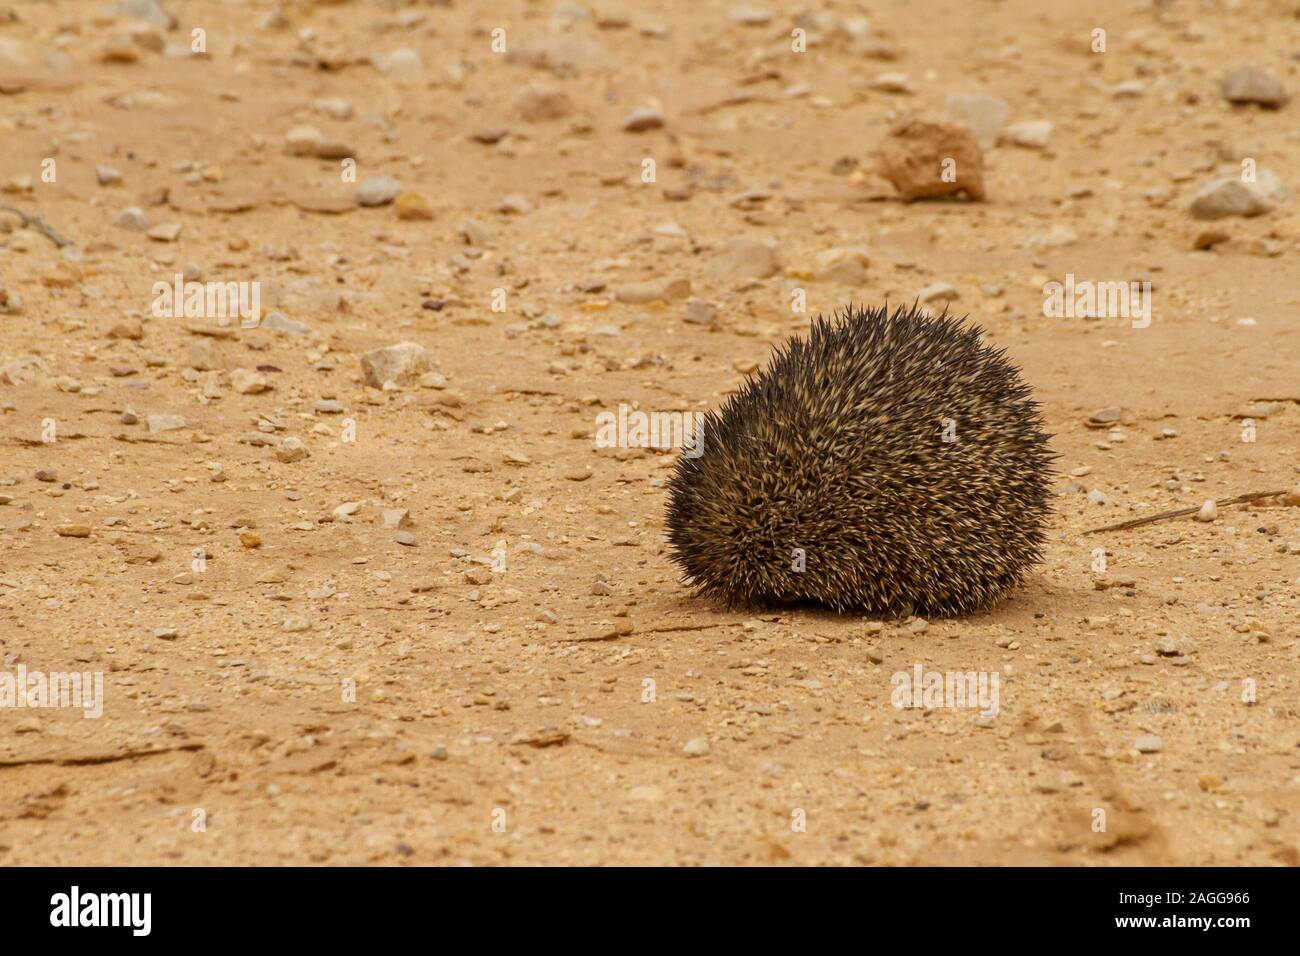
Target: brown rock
[[245, 381], [334, 149], [132, 329], [302, 140], [1209, 238], [412, 207], [119, 52], [929, 159], [400, 364], [666, 290], [1250, 84], [62, 275], [291, 450], [745, 259], [539, 104]]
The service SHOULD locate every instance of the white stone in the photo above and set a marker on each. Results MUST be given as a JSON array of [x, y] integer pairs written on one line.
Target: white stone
[[397, 364], [1229, 195], [377, 191], [1031, 134]]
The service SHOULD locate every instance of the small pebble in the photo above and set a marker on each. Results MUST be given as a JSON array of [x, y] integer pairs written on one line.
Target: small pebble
[[378, 191], [640, 120]]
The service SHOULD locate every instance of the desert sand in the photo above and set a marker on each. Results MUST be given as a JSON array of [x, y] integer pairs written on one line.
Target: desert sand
[[405, 609]]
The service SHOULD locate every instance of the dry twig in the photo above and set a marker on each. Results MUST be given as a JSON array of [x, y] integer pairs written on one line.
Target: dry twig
[[1138, 522], [40, 225]]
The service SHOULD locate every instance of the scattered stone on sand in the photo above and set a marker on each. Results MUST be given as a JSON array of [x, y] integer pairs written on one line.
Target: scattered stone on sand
[[276, 321], [131, 217], [1250, 84], [1211, 237], [346, 510], [516, 204], [700, 312], [378, 191], [334, 149], [563, 55], [395, 517], [1103, 417], [892, 83], [291, 449], [403, 61], [61, 275], [663, 290], [412, 207], [930, 159], [164, 423], [398, 364], [248, 382], [302, 140], [745, 259], [1230, 195], [335, 108], [642, 119], [165, 232], [1169, 647], [1057, 237], [120, 51], [1031, 134], [844, 264], [542, 104], [474, 233], [938, 292]]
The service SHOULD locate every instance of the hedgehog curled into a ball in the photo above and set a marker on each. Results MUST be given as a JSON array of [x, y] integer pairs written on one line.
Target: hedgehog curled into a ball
[[890, 462]]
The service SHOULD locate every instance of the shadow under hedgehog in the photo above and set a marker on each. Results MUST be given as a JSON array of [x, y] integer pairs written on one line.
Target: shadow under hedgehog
[[889, 462]]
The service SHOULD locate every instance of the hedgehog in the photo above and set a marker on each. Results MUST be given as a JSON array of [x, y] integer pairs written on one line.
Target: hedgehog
[[889, 463]]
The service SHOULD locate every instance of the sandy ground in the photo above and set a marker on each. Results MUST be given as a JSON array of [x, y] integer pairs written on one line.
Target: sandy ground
[[522, 678]]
